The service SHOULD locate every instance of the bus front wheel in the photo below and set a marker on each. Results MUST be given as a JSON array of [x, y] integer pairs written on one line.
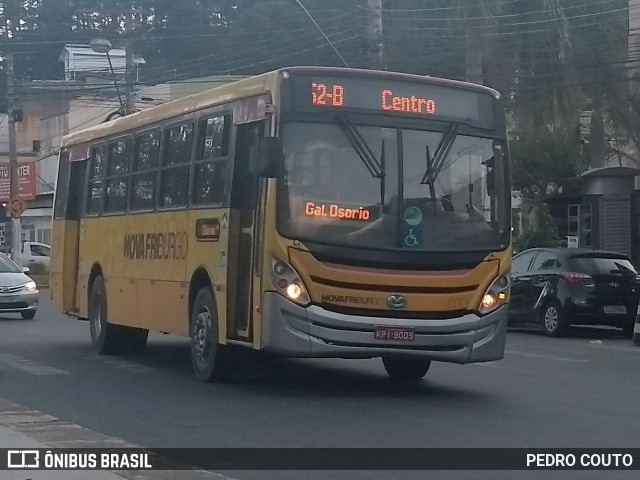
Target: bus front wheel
[[211, 361], [104, 335], [402, 368]]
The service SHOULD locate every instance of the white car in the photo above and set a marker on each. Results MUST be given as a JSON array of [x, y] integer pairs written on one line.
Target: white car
[[36, 252], [18, 293]]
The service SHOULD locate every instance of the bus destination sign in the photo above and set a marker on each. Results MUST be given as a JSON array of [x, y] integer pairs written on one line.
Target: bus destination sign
[[424, 100]]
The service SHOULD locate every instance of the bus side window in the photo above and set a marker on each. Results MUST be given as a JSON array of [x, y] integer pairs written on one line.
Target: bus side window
[[95, 183], [117, 179], [212, 159], [176, 165], [145, 167]]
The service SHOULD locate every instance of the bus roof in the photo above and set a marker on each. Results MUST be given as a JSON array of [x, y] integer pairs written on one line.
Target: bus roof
[[244, 88]]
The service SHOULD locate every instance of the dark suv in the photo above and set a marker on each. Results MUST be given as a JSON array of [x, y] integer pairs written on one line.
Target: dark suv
[[557, 287]]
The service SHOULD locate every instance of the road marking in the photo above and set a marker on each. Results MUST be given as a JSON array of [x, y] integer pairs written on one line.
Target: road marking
[[30, 366], [545, 357], [486, 364], [122, 364]]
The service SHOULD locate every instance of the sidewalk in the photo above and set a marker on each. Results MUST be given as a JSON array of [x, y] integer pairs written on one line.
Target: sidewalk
[[22, 428], [12, 439]]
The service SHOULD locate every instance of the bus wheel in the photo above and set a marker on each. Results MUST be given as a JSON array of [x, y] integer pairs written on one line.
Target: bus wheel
[[211, 361], [104, 336], [400, 368]]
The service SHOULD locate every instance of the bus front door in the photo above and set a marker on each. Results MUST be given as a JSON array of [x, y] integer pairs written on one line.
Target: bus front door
[[242, 233], [65, 236]]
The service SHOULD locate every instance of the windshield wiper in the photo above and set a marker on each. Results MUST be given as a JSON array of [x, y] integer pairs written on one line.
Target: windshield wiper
[[376, 168], [435, 164], [429, 179], [383, 173], [361, 147]]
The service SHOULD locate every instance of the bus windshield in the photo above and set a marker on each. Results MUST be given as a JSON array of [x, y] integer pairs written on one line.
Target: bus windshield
[[391, 188]]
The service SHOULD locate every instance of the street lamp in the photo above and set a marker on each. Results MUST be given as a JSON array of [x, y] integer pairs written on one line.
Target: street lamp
[[101, 45]]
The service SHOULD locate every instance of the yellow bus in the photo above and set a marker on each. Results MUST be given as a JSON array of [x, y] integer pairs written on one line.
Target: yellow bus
[[305, 212]]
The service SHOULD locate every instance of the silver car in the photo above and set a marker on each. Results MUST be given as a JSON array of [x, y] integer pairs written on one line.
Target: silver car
[[18, 293]]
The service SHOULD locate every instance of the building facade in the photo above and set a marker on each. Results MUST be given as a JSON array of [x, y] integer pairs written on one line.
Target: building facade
[[54, 108]]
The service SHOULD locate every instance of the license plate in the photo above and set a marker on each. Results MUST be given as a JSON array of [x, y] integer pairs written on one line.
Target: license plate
[[7, 299], [615, 309], [399, 334]]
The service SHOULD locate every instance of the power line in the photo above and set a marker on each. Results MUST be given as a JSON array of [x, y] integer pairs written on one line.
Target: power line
[[458, 8], [321, 31], [500, 16]]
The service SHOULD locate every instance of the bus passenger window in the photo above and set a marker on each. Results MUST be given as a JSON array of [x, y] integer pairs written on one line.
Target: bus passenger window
[[117, 175], [174, 174], [211, 161], [145, 165], [94, 190]]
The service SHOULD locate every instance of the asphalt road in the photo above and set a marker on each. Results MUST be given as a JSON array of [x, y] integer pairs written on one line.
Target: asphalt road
[[581, 391]]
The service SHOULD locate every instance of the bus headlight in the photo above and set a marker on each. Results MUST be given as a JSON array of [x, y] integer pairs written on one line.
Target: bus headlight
[[288, 283], [495, 296]]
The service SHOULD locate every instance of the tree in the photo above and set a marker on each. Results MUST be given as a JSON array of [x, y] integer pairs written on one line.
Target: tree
[[542, 165]]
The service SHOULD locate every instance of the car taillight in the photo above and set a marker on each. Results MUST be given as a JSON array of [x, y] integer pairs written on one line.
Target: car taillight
[[576, 278]]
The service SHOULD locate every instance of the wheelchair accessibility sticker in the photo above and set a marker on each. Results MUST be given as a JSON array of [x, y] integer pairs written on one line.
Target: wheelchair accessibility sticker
[[412, 217], [411, 240]]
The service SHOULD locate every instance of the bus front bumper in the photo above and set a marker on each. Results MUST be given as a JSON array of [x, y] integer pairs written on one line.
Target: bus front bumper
[[295, 331]]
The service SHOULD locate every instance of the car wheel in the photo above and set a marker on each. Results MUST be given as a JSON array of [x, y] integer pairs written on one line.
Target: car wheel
[[211, 361], [553, 319], [104, 336], [30, 315], [399, 368]]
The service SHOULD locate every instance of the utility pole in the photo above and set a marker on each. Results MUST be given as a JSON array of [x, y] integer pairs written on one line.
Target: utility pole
[[475, 24], [633, 49], [374, 34], [13, 233], [130, 102]]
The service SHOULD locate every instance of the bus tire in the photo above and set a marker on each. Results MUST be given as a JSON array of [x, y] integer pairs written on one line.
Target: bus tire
[[403, 368], [211, 361], [104, 336]]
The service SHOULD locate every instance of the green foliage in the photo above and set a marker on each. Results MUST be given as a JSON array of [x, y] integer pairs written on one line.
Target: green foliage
[[545, 235], [546, 160]]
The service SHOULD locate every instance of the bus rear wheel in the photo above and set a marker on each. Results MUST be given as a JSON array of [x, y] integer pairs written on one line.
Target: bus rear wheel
[[402, 368], [211, 361]]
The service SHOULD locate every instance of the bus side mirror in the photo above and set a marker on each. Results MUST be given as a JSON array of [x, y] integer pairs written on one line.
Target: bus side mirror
[[270, 156]]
